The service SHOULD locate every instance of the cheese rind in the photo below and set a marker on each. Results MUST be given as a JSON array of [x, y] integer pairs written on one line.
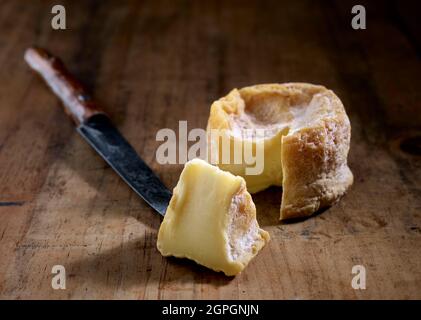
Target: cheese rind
[[211, 219], [306, 143]]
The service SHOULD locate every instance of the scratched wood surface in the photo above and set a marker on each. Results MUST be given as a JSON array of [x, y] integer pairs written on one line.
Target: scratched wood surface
[[152, 64]]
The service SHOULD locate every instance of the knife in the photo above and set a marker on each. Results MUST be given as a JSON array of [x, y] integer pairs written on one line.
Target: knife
[[96, 128]]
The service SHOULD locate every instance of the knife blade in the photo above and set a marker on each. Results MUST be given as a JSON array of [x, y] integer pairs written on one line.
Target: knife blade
[[96, 128], [119, 154]]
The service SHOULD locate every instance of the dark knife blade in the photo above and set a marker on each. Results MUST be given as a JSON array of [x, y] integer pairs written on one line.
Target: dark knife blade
[[99, 132], [93, 124]]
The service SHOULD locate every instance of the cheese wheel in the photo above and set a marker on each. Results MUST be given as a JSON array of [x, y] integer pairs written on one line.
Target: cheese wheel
[[305, 145]]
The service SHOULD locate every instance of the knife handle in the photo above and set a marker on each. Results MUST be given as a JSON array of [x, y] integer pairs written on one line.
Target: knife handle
[[77, 103]]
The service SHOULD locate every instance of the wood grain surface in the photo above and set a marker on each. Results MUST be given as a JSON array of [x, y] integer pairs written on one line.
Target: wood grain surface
[[153, 63]]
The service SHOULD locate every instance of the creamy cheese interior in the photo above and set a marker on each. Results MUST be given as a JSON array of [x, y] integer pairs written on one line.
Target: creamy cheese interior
[[211, 219]]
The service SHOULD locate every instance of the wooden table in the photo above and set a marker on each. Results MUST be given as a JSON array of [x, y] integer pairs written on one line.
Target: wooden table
[[152, 64]]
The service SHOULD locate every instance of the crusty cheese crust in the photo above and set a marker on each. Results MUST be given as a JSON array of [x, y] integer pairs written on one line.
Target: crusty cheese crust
[[314, 147]]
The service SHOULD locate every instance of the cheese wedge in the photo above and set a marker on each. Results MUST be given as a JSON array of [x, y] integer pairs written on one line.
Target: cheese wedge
[[211, 219], [306, 142]]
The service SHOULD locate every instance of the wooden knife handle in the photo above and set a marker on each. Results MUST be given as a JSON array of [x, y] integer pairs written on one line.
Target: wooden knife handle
[[77, 103]]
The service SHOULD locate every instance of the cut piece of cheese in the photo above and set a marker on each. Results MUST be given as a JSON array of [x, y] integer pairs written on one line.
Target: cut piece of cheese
[[211, 219], [306, 142]]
